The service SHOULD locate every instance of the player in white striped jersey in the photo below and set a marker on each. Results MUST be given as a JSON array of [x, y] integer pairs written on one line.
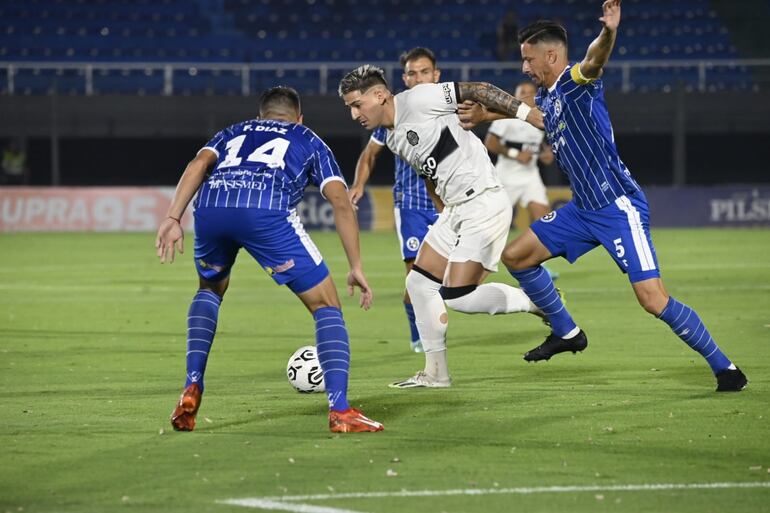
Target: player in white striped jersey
[[608, 206], [464, 245]]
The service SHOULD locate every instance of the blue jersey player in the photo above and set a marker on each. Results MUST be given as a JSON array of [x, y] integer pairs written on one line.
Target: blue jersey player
[[414, 210], [249, 179], [608, 207]]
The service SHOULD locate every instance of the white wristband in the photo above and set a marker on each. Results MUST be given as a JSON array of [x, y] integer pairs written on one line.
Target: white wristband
[[523, 111], [512, 153]]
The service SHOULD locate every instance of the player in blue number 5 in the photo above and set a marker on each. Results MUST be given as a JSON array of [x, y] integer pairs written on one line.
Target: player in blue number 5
[[249, 179], [608, 206]]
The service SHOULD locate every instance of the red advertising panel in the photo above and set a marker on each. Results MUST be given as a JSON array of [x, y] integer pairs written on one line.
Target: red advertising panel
[[84, 208]]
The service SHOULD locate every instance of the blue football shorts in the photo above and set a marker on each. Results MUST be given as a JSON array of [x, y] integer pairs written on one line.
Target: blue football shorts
[[622, 227], [412, 225], [277, 241]]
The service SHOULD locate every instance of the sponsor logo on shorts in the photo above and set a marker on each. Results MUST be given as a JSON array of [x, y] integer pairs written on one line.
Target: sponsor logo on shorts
[[412, 243], [550, 216], [412, 137], [280, 268], [205, 265]]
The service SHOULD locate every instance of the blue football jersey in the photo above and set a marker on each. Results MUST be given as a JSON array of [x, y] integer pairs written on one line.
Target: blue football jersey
[[265, 164], [409, 190], [578, 128]]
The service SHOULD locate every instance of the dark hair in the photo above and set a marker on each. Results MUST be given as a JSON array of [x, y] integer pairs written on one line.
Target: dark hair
[[362, 79], [417, 53], [543, 30], [279, 98]]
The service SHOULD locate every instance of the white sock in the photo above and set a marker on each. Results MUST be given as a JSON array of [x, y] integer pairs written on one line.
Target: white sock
[[493, 298], [436, 364], [431, 320]]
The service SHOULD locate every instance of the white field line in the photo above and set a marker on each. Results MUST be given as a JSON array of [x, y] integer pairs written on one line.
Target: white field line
[[289, 502], [293, 507]]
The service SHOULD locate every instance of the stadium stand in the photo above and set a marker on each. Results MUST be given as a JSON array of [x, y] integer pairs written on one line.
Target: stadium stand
[[282, 33]]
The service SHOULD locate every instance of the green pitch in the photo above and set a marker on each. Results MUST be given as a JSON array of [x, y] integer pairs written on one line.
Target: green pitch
[[92, 361]]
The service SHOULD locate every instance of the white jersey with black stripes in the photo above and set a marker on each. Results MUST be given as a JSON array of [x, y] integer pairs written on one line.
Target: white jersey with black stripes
[[518, 134], [427, 134]]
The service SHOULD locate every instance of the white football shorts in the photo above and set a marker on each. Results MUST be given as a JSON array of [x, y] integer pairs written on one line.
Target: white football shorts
[[476, 230], [525, 189]]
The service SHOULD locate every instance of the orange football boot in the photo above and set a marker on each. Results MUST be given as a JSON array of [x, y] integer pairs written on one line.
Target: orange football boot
[[183, 416], [352, 421]]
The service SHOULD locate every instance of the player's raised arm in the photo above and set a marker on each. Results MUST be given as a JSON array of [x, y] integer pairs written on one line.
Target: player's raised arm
[[498, 101], [364, 168], [600, 48], [170, 233], [347, 228]]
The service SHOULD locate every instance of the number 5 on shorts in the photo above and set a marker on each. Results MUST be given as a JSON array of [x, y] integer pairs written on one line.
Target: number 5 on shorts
[[619, 249]]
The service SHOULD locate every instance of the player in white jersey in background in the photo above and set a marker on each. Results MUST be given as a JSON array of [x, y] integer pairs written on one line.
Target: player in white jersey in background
[[464, 245], [519, 147], [413, 210]]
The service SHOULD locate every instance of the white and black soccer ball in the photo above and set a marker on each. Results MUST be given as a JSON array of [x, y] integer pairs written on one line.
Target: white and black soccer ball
[[304, 371]]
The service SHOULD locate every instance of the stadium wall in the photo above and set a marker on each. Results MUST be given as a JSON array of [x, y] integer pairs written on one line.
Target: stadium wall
[[685, 139], [107, 209]]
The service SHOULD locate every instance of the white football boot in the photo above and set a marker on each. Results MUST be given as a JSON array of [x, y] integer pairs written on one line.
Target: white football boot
[[422, 380]]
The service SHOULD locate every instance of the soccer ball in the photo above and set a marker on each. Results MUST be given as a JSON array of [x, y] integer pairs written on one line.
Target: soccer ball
[[304, 371]]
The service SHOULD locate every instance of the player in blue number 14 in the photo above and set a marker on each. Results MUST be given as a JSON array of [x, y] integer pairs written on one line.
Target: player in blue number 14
[[608, 206], [249, 179]]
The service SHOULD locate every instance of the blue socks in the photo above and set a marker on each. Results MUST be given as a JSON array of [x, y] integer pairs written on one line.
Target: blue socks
[[412, 326], [686, 324], [333, 351], [541, 291], [201, 327]]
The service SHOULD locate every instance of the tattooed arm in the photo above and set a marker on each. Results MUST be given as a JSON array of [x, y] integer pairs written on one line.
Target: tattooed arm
[[498, 101]]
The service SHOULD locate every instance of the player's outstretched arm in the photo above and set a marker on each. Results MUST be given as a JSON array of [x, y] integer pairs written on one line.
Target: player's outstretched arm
[[472, 114], [347, 228], [364, 168], [600, 48], [170, 233], [497, 100]]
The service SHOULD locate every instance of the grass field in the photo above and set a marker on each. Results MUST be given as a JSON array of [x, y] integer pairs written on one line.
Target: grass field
[[92, 360]]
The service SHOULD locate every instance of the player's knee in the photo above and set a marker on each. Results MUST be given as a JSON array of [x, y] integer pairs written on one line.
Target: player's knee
[[217, 287], [653, 302], [325, 302], [418, 281], [513, 258], [457, 298]]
